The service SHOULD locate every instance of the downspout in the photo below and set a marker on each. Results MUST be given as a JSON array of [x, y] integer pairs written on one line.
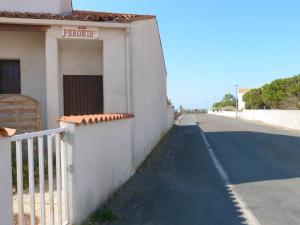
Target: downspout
[[129, 88], [128, 73]]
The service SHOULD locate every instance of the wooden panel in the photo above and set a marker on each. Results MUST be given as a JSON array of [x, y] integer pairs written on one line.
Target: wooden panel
[[19, 119], [20, 112], [83, 95], [16, 110], [10, 80]]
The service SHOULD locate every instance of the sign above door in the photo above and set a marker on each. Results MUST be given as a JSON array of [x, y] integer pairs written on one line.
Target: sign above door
[[80, 32]]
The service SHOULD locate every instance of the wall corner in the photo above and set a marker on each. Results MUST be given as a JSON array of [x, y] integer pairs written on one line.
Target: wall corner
[[6, 195]]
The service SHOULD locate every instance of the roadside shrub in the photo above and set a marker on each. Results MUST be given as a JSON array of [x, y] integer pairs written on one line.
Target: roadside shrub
[[253, 99], [228, 102], [279, 94]]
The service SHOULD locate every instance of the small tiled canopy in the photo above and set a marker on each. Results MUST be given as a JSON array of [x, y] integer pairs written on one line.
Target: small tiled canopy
[[7, 132], [98, 118]]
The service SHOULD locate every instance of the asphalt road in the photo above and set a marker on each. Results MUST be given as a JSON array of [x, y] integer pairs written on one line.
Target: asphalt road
[[180, 185]]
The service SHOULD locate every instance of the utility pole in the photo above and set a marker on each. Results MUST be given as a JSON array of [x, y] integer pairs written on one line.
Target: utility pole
[[236, 100]]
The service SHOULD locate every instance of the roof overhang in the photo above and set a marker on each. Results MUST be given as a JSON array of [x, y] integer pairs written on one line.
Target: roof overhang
[[24, 28], [52, 22]]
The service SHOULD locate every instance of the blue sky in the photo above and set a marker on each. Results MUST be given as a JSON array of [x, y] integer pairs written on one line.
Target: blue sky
[[211, 45]]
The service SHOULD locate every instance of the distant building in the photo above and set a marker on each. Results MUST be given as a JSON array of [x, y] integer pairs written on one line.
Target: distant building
[[241, 92]]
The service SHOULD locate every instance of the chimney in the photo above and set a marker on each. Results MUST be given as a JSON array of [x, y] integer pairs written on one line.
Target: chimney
[[37, 6]]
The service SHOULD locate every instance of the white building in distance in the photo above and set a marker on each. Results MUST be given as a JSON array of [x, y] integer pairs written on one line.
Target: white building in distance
[[241, 103]]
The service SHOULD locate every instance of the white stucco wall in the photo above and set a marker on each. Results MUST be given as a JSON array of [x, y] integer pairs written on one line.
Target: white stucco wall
[[106, 56], [102, 162], [284, 118], [78, 57], [149, 88], [6, 195], [29, 48], [105, 155], [114, 70], [170, 117], [81, 57], [223, 113], [241, 102], [39, 6], [53, 79]]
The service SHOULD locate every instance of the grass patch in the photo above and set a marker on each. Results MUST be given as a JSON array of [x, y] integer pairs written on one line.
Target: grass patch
[[25, 169], [105, 215]]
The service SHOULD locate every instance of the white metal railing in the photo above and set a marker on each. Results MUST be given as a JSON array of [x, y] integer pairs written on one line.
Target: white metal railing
[[51, 142]]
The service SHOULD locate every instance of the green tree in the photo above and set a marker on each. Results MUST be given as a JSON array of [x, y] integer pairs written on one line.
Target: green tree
[[279, 94], [253, 99], [274, 93], [228, 101], [282, 93]]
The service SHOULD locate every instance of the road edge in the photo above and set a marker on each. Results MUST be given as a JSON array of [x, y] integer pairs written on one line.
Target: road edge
[[244, 209]]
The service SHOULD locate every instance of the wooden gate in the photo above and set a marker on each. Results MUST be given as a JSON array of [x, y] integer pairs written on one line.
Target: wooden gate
[[45, 176], [83, 95], [20, 112]]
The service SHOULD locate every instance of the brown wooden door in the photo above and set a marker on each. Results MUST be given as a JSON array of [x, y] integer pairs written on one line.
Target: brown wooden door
[[10, 77], [83, 95]]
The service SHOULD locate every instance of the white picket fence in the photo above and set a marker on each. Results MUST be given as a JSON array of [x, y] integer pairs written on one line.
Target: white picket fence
[[50, 143]]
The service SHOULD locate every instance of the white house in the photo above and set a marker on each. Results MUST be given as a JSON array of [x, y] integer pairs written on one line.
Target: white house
[[85, 63], [81, 62], [241, 93]]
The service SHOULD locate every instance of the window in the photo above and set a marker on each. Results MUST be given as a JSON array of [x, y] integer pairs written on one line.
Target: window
[[10, 80]]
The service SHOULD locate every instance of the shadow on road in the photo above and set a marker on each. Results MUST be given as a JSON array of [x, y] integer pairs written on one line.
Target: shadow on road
[[177, 185], [256, 156]]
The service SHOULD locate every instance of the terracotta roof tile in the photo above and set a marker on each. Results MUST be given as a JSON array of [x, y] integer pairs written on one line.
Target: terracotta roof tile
[[7, 132], [244, 90], [90, 119], [81, 16]]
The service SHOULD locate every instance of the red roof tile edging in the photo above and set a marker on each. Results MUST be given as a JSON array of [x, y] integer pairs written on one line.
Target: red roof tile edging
[[7, 132], [80, 16], [244, 90], [98, 118]]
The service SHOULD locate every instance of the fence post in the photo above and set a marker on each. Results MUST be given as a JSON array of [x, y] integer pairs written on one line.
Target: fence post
[[6, 195], [67, 145]]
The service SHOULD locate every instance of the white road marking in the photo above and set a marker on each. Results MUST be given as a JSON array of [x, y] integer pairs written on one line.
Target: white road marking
[[247, 213]]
